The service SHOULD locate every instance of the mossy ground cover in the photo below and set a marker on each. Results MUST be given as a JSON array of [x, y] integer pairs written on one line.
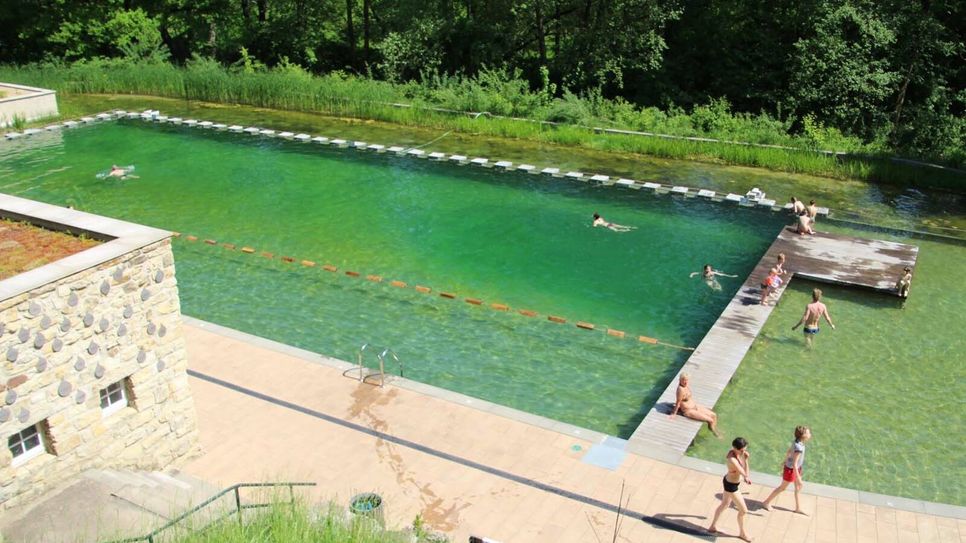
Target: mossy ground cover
[[24, 247]]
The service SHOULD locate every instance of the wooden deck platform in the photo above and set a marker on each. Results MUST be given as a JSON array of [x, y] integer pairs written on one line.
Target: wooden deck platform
[[842, 260]]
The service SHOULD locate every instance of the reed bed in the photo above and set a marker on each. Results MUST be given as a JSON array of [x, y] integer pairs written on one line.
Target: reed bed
[[501, 96]]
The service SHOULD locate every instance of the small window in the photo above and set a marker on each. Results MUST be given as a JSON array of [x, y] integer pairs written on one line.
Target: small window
[[26, 444], [113, 398]]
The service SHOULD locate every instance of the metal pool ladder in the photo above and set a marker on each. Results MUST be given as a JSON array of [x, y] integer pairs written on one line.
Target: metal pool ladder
[[381, 353]]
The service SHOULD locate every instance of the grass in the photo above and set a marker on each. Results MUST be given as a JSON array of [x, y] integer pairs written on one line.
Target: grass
[[290, 88], [24, 247], [282, 523]]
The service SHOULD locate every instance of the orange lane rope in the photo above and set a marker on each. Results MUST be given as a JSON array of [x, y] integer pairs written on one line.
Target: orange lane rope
[[609, 332]]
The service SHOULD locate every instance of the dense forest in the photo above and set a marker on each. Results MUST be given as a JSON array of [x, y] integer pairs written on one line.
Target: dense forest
[[890, 73]]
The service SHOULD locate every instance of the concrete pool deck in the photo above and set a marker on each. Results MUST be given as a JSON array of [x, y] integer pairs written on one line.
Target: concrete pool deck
[[828, 258], [272, 412]]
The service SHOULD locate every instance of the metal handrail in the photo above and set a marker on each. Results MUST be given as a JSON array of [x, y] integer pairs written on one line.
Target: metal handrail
[[382, 362], [150, 538]]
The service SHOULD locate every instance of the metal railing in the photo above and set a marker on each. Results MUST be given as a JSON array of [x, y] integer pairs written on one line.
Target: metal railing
[[382, 362], [238, 508]]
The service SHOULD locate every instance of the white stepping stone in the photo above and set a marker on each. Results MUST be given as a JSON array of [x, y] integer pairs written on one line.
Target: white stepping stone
[[396, 149], [53, 127], [629, 183], [705, 193], [12, 135], [340, 142], [480, 161], [286, 135], [679, 190], [252, 130], [437, 155], [550, 171], [70, 124], [418, 153], [133, 115], [235, 128], [103, 116], [652, 186], [119, 113], [600, 178], [87, 119], [504, 164], [219, 126], [30, 131], [529, 168], [359, 144], [766, 203], [574, 175], [267, 132], [206, 124], [822, 211], [175, 120], [191, 122], [161, 119], [458, 158], [320, 139], [304, 138], [377, 148]]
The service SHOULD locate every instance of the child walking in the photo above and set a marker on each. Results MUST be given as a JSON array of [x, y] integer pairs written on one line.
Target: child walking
[[792, 469]]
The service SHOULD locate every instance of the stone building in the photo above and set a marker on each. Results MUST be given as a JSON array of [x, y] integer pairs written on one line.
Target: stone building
[[92, 358]]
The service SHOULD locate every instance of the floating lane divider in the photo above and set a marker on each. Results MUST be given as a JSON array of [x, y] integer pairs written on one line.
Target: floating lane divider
[[373, 278], [155, 116]]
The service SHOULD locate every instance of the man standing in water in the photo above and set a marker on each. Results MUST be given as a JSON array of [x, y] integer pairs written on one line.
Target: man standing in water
[[813, 313]]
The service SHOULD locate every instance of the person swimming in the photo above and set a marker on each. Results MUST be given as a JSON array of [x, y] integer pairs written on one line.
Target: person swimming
[[709, 275], [599, 221], [118, 172]]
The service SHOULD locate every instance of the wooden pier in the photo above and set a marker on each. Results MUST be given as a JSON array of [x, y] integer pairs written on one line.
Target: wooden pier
[[842, 260]]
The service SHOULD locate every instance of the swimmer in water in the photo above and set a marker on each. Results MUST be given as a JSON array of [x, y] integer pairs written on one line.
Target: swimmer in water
[[121, 173], [599, 221], [709, 274]]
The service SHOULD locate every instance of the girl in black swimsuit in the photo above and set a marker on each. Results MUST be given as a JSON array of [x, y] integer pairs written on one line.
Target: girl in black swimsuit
[[738, 469]]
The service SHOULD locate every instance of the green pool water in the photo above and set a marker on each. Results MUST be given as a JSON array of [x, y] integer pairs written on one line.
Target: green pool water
[[522, 240], [884, 393]]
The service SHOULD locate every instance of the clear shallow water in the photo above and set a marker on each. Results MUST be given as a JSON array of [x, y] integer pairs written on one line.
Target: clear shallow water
[[521, 240], [884, 393]]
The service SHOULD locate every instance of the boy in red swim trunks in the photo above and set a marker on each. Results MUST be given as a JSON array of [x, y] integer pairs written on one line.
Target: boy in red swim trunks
[[792, 469]]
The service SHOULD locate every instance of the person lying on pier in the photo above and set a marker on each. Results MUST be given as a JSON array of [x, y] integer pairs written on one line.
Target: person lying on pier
[[904, 282], [709, 274], [686, 405], [599, 221]]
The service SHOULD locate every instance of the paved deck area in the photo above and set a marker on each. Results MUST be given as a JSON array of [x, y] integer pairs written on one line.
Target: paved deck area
[[274, 413], [843, 260]]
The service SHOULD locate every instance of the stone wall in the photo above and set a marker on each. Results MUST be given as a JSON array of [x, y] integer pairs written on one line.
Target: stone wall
[[64, 341], [28, 103]]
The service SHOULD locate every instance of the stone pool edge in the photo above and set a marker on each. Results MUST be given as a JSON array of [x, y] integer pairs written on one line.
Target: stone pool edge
[[658, 454]]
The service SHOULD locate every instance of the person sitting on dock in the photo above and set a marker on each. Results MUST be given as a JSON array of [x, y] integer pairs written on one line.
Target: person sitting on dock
[[804, 224], [812, 211], [599, 221], [709, 274], [904, 282], [813, 313], [686, 405]]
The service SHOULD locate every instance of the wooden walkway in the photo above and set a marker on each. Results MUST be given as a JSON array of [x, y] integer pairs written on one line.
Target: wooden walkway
[[842, 260]]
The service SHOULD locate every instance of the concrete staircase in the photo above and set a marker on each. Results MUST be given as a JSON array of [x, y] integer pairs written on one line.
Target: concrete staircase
[[106, 504]]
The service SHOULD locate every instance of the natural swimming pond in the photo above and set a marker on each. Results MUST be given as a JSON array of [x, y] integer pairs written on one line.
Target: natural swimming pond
[[517, 239], [883, 393], [525, 241]]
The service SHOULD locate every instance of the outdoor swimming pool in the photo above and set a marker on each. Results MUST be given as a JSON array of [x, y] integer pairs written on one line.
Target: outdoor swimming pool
[[882, 392], [522, 240]]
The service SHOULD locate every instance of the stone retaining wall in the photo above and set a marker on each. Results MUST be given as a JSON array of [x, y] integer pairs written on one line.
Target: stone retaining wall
[[64, 341]]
